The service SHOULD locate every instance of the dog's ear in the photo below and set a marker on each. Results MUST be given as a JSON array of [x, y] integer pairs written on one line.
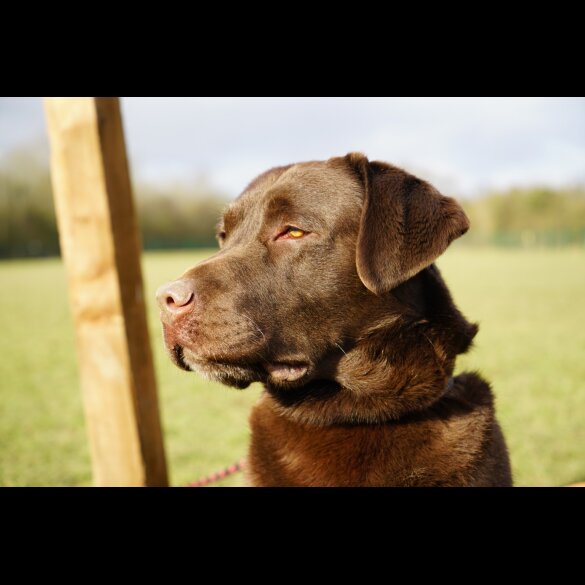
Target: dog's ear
[[405, 224]]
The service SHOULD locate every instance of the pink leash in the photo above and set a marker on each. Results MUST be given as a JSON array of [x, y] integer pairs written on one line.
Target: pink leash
[[203, 481]]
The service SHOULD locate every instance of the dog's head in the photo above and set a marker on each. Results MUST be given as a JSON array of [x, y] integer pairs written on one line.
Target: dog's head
[[312, 261]]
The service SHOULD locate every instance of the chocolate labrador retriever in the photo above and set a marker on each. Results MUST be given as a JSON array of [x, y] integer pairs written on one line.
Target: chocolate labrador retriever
[[325, 290]]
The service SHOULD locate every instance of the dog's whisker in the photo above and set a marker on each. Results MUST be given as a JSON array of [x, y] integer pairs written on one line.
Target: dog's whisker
[[255, 325]]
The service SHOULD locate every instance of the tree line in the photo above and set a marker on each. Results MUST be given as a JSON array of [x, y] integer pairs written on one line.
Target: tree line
[[171, 216], [184, 215], [528, 216]]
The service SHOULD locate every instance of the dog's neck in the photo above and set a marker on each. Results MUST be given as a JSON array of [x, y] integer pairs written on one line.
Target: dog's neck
[[377, 381], [326, 402], [400, 368]]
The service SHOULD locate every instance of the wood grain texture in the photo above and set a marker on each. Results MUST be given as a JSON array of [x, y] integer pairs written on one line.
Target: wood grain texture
[[101, 248]]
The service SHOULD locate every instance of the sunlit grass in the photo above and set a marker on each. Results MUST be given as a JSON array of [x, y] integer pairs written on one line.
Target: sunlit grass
[[531, 346]]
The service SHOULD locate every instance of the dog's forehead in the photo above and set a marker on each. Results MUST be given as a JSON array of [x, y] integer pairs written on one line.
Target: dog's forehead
[[313, 186]]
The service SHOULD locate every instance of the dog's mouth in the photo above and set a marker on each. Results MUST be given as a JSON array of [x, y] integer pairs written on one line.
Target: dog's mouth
[[178, 358], [286, 371]]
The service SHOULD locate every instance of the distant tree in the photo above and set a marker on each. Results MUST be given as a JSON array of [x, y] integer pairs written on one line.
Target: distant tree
[[27, 216], [528, 216], [179, 216]]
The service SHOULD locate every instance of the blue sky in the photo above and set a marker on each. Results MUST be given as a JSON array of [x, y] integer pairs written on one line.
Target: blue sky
[[463, 145]]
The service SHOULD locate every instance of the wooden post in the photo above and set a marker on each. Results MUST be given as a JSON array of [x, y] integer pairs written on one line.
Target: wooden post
[[101, 248]]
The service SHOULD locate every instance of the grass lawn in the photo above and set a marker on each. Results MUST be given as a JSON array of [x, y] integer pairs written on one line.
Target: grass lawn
[[531, 346]]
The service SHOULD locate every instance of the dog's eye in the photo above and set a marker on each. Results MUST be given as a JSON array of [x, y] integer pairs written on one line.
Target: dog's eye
[[291, 233], [221, 237], [294, 232]]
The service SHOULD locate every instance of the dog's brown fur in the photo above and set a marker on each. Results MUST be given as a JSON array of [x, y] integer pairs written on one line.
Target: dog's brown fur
[[351, 328]]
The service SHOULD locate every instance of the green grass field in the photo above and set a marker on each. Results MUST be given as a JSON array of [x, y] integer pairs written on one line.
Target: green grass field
[[531, 346]]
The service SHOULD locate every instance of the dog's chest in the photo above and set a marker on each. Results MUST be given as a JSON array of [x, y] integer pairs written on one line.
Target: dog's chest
[[284, 453]]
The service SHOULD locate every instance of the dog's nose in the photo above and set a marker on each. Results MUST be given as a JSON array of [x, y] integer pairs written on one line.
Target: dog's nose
[[176, 297]]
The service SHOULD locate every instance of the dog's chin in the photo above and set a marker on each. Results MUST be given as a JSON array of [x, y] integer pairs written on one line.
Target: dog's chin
[[228, 374], [239, 373], [236, 373]]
